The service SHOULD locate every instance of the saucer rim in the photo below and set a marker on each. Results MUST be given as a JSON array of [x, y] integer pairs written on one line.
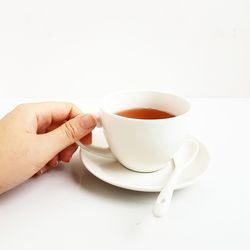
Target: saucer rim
[[158, 188]]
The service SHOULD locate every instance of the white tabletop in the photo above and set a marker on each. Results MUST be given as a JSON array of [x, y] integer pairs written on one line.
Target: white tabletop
[[69, 208]]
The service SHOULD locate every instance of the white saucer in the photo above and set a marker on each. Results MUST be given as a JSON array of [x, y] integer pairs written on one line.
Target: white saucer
[[112, 172]]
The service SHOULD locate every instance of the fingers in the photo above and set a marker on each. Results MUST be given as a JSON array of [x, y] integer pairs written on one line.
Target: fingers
[[51, 164], [45, 128], [37, 117], [58, 111], [52, 113], [87, 139], [67, 153], [67, 134]]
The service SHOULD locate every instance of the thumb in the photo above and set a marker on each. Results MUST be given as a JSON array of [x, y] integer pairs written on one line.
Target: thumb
[[68, 133]]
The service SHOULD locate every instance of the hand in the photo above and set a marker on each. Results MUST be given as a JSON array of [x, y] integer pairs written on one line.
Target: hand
[[35, 137]]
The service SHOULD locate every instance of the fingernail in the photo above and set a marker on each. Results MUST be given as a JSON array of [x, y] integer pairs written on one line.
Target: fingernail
[[68, 160], [87, 121], [56, 163], [41, 171]]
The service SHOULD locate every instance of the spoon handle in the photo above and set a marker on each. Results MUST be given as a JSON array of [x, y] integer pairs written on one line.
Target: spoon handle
[[163, 201]]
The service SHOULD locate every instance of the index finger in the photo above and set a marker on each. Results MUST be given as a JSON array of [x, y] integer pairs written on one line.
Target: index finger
[[47, 113]]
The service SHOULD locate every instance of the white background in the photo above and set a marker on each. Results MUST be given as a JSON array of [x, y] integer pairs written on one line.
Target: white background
[[82, 48]]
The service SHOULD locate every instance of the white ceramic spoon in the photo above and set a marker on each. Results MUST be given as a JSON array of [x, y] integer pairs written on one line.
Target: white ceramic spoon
[[181, 160]]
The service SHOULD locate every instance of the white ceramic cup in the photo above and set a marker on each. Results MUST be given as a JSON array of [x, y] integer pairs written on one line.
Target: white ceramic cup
[[138, 144]]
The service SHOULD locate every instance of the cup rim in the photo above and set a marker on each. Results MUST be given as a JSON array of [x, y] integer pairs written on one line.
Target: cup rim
[[144, 120]]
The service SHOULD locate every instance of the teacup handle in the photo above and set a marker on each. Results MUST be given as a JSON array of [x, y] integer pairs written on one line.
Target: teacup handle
[[103, 152]]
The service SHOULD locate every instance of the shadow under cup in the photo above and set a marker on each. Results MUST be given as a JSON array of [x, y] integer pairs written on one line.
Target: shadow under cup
[[144, 145]]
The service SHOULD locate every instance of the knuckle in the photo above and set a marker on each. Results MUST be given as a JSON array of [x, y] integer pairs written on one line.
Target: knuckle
[[70, 104], [21, 106], [70, 131], [73, 107], [24, 106]]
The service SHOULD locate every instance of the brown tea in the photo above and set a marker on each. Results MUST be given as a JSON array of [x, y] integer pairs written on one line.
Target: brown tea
[[145, 113]]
